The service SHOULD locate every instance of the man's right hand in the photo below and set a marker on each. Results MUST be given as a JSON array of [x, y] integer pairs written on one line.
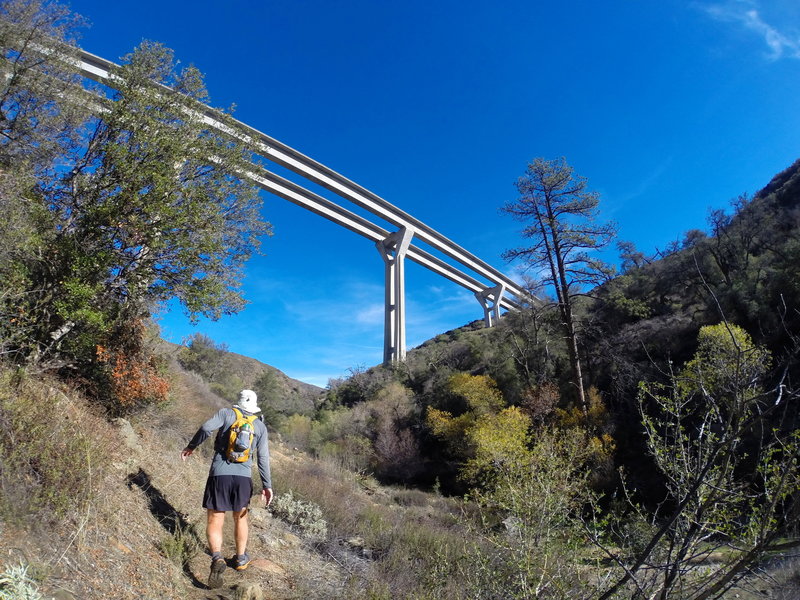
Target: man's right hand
[[186, 453], [266, 493]]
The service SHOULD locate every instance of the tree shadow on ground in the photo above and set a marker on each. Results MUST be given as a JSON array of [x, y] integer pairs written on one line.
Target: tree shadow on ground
[[173, 521]]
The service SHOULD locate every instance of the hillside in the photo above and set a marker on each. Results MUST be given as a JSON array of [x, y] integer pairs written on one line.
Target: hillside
[[637, 439], [144, 514], [132, 526], [235, 371], [744, 270], [108, 510]]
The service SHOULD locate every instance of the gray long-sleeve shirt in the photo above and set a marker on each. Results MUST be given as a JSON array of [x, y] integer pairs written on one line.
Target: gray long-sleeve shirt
[[222, 421]]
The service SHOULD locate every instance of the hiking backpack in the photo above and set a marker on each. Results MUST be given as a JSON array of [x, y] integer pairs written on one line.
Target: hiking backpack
[[240, 438]]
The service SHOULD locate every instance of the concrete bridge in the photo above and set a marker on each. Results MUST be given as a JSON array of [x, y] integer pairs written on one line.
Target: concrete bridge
[[394, 246]]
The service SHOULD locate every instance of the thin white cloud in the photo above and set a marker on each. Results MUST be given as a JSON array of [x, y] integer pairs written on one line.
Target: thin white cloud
[[746, 13], [448, 299], [372, 314], [331, 305], [644, 184]]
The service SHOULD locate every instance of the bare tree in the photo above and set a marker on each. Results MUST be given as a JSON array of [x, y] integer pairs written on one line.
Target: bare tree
[[729, 460], [560, 216]]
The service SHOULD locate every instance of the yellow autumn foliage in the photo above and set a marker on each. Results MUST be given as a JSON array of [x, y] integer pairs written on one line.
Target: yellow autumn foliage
[[480, 392], [486, 436], [498, 440]]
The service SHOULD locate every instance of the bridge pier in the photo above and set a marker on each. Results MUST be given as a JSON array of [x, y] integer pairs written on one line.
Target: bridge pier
[[393, 247], [490, 299], [393, 251]]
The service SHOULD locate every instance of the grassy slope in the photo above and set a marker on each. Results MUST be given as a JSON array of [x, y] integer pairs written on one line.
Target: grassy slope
[[115, 545], [144, 510], [303, 396], [146, 506]]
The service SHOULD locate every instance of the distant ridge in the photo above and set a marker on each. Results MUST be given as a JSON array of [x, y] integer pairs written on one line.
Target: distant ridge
[[293, 394]]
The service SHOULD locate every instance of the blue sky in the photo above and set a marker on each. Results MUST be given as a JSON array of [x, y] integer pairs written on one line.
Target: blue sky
[[667, 107]]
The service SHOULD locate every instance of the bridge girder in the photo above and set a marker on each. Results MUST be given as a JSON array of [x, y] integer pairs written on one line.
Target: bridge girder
[[394, 247]]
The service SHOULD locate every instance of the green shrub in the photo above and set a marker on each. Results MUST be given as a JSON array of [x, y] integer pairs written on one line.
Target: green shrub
[[296, 431], [352, 452], [527, 541], [182, 546]]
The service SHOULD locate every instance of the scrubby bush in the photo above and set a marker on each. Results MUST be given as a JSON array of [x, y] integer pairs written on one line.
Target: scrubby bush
[[15, 584], [213, 363], [52, 451], [389, 418], [296, 431], [487, 434], [360, 386], [351, 452], [406, 549], [731, 478], [306, 517], [128, 374], [527, 541], [181, 546]]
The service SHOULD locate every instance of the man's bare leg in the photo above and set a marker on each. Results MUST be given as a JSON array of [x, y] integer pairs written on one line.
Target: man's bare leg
[[216, 519], [240, 534], [241, 530]]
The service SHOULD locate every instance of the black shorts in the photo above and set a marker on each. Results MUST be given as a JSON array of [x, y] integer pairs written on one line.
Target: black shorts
[[227, 492]]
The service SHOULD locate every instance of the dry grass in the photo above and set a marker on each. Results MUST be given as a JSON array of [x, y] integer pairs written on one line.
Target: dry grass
[[50, 456], [394, 543], [130, 523], [67, 526]]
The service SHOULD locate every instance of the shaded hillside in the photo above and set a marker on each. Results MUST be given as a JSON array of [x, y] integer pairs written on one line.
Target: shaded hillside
[[635, 328], [746, 270], [744, 266], [100, 509]]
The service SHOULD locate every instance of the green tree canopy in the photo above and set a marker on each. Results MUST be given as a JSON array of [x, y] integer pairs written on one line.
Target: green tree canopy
[[124, 197], [727, 366], [152, 207]]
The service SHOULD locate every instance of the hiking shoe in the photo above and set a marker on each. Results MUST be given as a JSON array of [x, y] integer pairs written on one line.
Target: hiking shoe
[[218, 567], [242, 561]]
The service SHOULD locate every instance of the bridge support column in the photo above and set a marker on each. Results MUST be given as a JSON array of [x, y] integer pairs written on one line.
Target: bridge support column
[[490, 301], [393, 251]]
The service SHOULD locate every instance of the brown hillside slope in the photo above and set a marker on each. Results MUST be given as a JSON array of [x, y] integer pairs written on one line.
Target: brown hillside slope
[[108, 510], [143, 513]]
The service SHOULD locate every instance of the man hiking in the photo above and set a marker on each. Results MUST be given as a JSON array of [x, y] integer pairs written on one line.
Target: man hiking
[[230, 485]]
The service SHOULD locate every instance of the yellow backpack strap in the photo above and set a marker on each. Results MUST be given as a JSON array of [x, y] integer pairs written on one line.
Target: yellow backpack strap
[[238, 414]]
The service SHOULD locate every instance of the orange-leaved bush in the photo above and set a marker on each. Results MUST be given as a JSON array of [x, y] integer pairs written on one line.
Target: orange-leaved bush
[[130, 374], [133, 380]]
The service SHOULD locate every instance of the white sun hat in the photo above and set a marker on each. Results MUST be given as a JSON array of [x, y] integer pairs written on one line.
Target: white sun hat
[[248, 401]]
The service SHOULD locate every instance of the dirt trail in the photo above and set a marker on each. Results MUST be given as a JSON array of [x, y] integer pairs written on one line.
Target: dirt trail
[[124, 546], [283, 565]]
